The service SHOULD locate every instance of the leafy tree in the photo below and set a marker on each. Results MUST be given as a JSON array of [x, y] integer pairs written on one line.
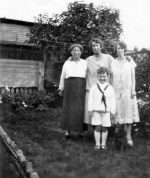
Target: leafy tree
[[143, 50], [78, 24]]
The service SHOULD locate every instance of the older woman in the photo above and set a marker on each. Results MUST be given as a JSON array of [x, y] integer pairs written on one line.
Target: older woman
[[123, 81], [72, 87], [94, 62]]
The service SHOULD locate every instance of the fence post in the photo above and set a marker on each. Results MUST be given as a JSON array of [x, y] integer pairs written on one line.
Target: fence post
[[41, 76]]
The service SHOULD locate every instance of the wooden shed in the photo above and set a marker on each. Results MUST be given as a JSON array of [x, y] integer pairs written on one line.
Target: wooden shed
[[21, 64]]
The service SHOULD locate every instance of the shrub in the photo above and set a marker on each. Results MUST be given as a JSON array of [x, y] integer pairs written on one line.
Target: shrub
[[51, 88], [144, 111], [16, 101], [143, 90], [41, 100], [21, 103]]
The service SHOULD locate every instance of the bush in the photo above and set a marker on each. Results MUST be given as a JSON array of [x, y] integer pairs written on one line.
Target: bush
[[15, 101], [21, 103], [40, 100], [144, 111], [51, 88], [143, 90]]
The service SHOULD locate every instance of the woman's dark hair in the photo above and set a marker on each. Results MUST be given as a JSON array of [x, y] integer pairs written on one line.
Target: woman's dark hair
[[103, 70], [75, 45], [96, 40], [122, 44]]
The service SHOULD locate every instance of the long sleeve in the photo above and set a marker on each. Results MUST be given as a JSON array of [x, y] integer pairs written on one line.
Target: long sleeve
[[95, 99], [62, 78]]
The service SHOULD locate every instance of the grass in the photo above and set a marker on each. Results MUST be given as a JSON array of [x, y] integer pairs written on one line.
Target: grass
[[42, 143]]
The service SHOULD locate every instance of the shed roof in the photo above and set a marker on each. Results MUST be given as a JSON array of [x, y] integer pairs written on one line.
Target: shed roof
[[17, 22]]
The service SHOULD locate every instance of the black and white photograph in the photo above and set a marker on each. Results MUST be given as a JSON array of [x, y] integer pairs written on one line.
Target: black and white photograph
[[74, 89]]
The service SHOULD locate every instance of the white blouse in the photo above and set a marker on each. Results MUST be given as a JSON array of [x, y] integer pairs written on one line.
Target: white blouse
[[73, 69]]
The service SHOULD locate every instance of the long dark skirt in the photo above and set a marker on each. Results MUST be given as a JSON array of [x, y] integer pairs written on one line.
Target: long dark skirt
[[73, 104]]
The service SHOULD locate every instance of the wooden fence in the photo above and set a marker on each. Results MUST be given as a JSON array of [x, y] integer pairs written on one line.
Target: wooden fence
[[140, 57], [26, 90]]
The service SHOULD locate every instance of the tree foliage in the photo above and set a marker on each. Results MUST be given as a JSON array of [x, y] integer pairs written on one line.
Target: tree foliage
[[78, 24]]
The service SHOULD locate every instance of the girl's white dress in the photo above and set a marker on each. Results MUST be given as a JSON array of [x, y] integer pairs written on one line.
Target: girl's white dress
[[123, 84]]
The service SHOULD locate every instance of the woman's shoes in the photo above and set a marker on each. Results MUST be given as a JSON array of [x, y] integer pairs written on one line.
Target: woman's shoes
[[97, 147], [130, 142], [103, 147]]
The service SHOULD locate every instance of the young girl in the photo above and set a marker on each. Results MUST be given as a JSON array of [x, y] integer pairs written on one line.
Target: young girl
[[101, 107]]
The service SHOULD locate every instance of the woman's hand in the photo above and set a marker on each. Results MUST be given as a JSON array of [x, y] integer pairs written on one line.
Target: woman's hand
[[61, 92], [133, 94], [129, 58]]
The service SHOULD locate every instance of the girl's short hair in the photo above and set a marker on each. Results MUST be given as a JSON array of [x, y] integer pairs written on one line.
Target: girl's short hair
[[75, 45], [103, 70], [96, 40], [122, 44]]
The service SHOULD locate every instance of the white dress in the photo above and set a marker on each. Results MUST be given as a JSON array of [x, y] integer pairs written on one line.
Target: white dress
[[121, 80]]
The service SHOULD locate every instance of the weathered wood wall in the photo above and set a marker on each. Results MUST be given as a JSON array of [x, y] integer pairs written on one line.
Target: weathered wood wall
[[19, 67], [21, 73], [13, 32]]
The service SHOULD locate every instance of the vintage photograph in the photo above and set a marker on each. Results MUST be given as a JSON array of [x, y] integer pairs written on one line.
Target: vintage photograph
[[75, 89]]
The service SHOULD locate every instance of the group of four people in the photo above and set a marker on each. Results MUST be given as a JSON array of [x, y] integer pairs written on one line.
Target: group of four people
[[98, 91]]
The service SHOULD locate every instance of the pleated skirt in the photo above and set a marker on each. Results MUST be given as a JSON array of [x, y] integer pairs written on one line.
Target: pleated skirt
[[73, 104]]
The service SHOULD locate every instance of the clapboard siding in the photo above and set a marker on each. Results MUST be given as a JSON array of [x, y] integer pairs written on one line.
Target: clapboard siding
[[13, 32], [20, 73], [17, 66]]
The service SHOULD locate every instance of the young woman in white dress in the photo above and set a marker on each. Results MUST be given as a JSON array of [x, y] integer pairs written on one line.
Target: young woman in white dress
[[123, 82]]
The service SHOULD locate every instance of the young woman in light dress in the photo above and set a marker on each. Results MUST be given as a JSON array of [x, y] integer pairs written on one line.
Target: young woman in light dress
[[94, 62], [123, 81]]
